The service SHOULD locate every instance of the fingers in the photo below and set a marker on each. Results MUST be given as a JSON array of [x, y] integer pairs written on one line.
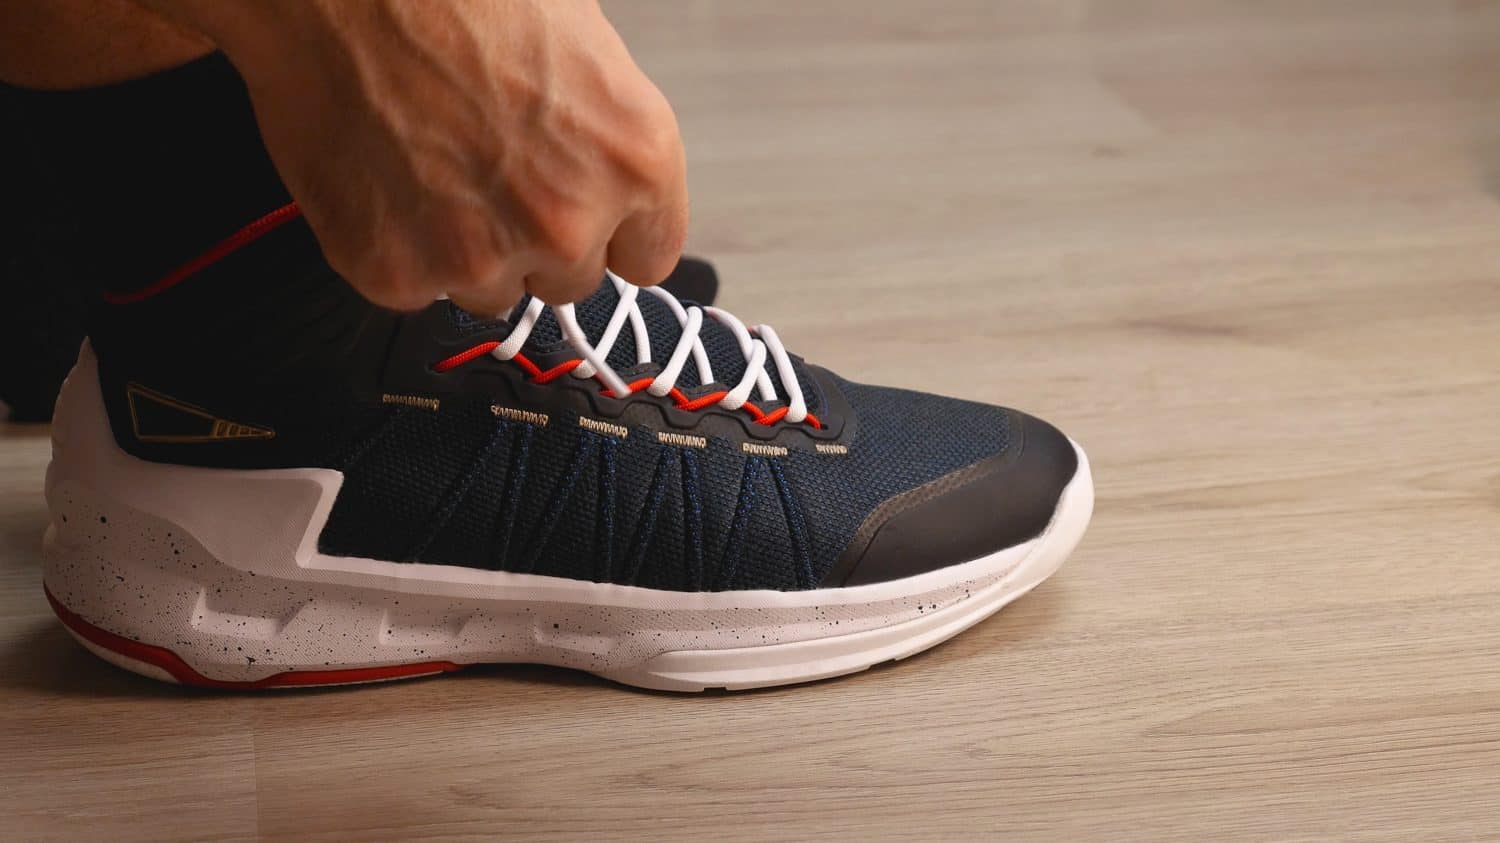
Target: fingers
[[388, 278], [470, 266], [564, 257], [488, 301], [554, 244], [646, 246], [643, 250], [470, 269], [476, 160], [556, 282]]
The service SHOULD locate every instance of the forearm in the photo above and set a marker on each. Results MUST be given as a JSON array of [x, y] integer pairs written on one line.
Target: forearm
[[253, 33], [66, 44]]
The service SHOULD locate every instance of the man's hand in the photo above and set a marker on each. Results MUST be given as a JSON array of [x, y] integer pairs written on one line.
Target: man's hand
[[479, 148]]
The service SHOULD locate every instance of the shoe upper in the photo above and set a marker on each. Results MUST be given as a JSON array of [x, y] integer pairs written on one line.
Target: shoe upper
[[454, 453]]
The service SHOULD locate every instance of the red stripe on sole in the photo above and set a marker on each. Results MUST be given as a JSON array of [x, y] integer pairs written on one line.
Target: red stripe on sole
[[244, 237], [184, 673]]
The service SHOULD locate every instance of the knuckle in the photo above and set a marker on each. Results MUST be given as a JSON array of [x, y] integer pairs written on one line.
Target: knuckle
[[473, 266], [656, 153], [657, 247], [562, 289], [568, 238], [385, 271], [468, 252], [649, 151]]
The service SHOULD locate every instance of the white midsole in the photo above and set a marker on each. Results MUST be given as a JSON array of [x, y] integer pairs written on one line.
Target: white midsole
[[222, 567]]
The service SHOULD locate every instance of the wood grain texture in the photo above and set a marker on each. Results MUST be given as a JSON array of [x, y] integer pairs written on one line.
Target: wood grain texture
[[1247, 253]]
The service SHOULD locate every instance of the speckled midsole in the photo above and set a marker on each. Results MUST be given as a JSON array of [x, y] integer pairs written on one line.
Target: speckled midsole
[[144, 578]]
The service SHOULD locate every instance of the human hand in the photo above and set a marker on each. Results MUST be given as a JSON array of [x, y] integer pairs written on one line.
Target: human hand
[[479, 148]]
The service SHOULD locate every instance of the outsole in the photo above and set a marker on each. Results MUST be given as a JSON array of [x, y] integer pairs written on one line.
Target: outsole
[[165, 665]]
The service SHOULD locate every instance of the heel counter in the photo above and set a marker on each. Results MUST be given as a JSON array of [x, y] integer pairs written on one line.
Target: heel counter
[[244, 517]]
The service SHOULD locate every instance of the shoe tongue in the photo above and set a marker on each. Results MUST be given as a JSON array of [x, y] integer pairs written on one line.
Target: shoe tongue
[[594, 313]]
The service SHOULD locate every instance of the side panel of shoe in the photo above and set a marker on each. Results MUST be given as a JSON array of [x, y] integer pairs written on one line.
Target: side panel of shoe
[[214, 576]]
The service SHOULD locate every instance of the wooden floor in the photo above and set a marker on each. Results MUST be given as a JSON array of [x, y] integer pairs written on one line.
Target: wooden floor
[[1245, 252]]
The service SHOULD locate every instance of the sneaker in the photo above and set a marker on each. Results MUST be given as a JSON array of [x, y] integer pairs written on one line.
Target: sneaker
[[635, 486], [694, 279]]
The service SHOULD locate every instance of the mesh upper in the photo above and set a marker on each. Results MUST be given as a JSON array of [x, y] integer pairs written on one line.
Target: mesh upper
[[464, 488]]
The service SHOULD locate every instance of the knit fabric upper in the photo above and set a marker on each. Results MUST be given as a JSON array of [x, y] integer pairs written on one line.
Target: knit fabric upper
[[450, 481], [461, 487]]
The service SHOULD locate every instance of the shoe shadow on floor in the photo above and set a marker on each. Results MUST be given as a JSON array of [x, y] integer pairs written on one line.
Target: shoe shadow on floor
[[44, 659]]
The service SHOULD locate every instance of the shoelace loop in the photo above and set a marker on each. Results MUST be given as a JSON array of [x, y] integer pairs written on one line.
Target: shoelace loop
[[756, 344]]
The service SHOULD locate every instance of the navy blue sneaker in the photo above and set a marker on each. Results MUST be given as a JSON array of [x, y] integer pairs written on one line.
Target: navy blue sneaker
[[635, 486]]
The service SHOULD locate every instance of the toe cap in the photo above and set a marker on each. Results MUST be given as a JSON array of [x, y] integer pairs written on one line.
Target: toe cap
[[988, 506]]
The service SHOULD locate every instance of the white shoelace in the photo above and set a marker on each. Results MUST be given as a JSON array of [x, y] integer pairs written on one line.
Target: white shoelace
[[756, 344]]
